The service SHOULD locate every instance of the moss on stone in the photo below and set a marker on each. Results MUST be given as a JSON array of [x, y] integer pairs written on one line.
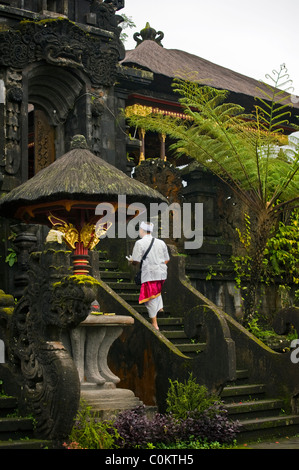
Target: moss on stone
[[6, 300], [78, 279]]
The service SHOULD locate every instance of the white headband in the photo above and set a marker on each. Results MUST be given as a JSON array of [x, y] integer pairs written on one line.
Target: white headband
[[147, 227]]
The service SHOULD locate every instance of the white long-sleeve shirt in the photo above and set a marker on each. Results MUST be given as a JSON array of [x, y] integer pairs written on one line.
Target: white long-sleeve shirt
[[153, 267]]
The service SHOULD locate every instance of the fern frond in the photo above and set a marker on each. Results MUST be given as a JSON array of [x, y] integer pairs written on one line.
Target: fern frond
[[240, 149]]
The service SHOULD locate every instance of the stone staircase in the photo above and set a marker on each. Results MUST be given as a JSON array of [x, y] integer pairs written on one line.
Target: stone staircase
[[260, 416], [172, 327], [17, 432]]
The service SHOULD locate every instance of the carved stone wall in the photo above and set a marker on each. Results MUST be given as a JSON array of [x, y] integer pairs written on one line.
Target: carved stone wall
[[11, 115], [63, 71]]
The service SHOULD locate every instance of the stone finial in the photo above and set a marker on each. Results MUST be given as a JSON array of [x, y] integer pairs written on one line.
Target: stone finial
[[79, 142], [149, 34]]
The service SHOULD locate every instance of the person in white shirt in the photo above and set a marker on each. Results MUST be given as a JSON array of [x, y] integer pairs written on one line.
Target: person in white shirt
[[154, 270]]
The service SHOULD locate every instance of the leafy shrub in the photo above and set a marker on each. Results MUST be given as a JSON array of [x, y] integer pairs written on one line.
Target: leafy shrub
[[196, 444], [137, 430], [212, 425], [194, 419], [186, 397], [89, 432]]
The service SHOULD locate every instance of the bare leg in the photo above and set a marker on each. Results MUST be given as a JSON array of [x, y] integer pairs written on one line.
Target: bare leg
[[153, 306], [154, 322]]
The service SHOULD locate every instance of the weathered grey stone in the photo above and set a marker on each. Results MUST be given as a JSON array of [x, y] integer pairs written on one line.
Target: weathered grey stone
[[91, 342]]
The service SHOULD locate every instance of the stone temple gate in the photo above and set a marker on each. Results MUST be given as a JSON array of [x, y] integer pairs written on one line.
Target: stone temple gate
[[58, 63], [58, 66]]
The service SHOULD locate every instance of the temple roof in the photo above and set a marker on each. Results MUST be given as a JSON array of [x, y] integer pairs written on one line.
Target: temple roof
[[173, 63], [78, 175]]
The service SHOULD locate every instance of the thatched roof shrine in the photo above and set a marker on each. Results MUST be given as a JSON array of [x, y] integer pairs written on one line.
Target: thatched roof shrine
[[78, 176]]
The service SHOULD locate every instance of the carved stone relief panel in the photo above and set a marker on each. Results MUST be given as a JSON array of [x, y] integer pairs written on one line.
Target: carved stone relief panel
[[60, 42], [44, 145], [14, 98]]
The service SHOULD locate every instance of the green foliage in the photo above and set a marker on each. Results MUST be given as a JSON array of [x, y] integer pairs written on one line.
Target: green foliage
[[188, 397], [255, 328], [197, 444], [127, 23], [202, 423], [282, 251], [89, 432], [277, 170], [12, 257], [268, 335], [280, 262], [240, 149]]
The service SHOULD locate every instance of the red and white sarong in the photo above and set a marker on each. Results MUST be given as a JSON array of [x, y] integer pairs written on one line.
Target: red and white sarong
[[150, 295]]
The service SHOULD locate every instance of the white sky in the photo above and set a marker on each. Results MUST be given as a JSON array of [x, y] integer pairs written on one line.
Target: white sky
[[251, 37]]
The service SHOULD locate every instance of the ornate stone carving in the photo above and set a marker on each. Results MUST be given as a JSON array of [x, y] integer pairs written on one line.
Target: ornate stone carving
[[43, 368], [25, 242], [12, 121], [117, 4], [15, 94], [149, 34], [162, 176], [44, 147], [105, 14], [60, 42]]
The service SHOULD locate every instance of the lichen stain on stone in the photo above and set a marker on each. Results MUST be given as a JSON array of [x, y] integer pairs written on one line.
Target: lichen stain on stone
[[140, 382]]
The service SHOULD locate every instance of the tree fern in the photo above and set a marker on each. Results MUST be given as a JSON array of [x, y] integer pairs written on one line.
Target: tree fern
[[242, 150]]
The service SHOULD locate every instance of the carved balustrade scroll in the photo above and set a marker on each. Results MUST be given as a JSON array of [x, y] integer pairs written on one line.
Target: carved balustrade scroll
[[54, 301]]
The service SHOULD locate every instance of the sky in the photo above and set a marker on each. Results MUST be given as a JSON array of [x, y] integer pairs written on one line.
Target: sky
[[252, 37]]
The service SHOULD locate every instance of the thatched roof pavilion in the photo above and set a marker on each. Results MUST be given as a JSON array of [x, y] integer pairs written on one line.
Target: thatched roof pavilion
[[78, 179], [171, 63]]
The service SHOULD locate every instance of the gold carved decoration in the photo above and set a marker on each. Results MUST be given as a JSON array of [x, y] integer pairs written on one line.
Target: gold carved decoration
[[89, 234]]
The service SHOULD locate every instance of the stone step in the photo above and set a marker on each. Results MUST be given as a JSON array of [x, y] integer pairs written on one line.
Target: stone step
[[30, 444], [171, 327], [200, 271], [254, 409], [115, 275], [103, 255], [266, 428], [191, 347], [168, 322], [15, 428], [124, 286], [259, 416], [236, 393], [174, 334], [17, 432], [130, 297], [108, 265], [8, 405], [241, 374]]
